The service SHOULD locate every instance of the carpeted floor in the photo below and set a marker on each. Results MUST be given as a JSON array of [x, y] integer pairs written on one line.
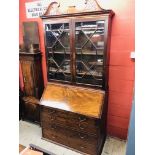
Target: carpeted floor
[[30, 133]]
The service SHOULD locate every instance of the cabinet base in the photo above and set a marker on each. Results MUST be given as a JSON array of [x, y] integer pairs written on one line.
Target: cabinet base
[[67, 147]]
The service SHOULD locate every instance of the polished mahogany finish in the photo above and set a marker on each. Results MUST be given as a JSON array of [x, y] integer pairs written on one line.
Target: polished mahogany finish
[[31, 109], [77, 122], [32, 73], [33, 84], [75, 140], [80, 100], [72, 116], [77, 48], [74, 102]]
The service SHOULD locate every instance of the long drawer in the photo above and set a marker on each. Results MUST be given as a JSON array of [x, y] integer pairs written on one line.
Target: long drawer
[[78, 122], [58, 135], [70, 138]]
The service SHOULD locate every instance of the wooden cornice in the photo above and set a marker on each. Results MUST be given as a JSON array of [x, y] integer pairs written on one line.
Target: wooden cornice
[[98, 10], [108, 12]]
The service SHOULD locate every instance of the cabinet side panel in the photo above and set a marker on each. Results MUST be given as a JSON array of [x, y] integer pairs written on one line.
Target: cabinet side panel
[[38, 79], [27, 77]]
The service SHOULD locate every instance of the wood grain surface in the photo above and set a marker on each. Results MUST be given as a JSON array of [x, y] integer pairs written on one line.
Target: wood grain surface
[[80, 100]]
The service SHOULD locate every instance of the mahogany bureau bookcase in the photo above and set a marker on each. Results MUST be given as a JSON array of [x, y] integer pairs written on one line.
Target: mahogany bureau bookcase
[[74, 103]]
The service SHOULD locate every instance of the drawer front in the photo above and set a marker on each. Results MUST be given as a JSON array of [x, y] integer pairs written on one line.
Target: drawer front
[[70, 138], [56, 134], [82, 137], [84, 147], [51, 118], [83, 142], [75, 121]]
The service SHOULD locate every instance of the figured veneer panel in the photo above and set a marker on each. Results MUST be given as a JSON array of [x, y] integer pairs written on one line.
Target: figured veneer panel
[[28, 79], [74, 99], [32, 73], [56, 134], [73, 127], [83, 146], [74, 139], [33, 83]]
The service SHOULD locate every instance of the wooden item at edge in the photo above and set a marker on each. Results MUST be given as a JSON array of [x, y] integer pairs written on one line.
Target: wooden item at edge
[[21, 148], [89, 6], [33, 84]]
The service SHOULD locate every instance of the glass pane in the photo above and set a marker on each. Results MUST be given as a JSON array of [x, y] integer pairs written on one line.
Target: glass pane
[[58, 50], [50, 39], [64, 39], [89, 43]]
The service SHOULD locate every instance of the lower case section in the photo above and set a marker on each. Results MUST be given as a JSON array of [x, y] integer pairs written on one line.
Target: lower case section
[[31, 109], [79, 142]]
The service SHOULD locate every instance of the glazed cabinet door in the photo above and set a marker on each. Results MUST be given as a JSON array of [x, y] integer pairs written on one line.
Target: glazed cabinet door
[[76, 50], [57, 38], [90, 50], [27, 72]]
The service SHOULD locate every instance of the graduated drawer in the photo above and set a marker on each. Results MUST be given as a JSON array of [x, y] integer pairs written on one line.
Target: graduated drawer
[[72, 120], [56, 134], [83, 146], [73, 139]]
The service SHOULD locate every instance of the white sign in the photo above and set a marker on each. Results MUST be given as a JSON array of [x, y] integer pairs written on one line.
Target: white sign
[[37, 8]]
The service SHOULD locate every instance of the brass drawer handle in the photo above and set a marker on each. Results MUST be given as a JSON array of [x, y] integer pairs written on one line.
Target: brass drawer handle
[[81, 127], [51, 115], [52, 118], [53, 127], [82, 137], [52, 111], [53, 137], [82, 147], [82, 119]]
